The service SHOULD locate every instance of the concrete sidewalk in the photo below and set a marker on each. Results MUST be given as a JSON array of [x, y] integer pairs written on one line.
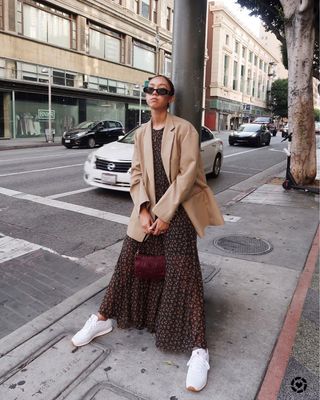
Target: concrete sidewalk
[[25, 143], [254, 273]]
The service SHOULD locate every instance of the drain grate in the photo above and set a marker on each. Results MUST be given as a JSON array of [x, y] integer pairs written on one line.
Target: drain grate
[[241, 244]]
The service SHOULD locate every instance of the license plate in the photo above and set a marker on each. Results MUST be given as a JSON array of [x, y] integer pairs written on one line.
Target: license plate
[[67, 141], [110, 179]]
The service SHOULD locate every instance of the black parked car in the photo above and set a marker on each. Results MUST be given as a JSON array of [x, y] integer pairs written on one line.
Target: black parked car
[[256, 134], [92, 133]]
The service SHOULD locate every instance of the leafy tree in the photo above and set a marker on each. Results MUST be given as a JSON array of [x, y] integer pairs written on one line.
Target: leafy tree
[[317, 114], [279, 97], [295, 23]]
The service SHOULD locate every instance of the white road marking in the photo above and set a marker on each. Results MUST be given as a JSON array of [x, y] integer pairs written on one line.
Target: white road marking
[[12, 248], [280, 151], [243, 152], [58, 195], [41, 170], [120, 219], [105, 215]]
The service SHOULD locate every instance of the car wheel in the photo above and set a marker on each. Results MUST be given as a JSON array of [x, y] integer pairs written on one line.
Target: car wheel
[[268, 142], [91, 142], [216, 166], [258, 142]]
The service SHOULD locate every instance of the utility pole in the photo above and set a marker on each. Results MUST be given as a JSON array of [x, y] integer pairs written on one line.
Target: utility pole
[[188, 58]]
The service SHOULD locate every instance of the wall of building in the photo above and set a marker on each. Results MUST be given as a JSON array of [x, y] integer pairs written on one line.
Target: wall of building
[[238, 92]]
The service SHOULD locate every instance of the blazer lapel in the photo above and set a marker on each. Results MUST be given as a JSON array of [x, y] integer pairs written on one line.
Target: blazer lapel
[[166, 145], [148, 157]]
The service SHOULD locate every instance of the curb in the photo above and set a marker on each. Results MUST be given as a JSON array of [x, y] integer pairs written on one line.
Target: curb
[[28, 146], [277, 366]]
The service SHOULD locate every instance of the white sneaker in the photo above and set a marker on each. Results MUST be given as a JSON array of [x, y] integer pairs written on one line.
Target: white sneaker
[[198, 370], [92, 328]]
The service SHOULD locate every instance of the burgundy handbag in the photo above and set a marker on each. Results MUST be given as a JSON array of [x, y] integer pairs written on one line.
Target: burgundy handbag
[[149, 267]]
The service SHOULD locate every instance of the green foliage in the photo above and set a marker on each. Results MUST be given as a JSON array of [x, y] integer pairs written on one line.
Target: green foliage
[[279, 97], [317, 114], [271, 14]]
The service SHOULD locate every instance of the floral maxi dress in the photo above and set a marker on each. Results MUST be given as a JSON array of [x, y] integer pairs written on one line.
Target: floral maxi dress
[[173, 309]]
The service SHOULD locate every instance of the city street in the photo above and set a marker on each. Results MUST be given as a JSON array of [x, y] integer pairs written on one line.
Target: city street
[[51, 180]]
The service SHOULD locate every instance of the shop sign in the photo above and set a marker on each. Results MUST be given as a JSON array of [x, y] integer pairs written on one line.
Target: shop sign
[[44, 114]]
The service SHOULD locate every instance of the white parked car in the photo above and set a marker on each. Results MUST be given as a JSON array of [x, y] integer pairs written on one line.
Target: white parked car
[[109, 167]]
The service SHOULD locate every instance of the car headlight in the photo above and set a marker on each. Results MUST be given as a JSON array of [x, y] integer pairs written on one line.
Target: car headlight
[[79, 135], [254, 135]]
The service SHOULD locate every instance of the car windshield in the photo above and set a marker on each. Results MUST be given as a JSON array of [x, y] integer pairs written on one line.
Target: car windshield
[[129, 137], [86, 124], [248, 128], [262, 120]]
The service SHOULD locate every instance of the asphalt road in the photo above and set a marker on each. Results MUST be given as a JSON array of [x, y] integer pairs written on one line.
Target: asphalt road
[[41, 190]]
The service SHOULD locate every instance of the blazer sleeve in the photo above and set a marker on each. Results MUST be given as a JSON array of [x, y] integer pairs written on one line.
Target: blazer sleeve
[[183, 183], [137, 188]]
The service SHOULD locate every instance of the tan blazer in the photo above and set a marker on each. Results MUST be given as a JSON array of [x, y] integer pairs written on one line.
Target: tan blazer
[[180, 155]]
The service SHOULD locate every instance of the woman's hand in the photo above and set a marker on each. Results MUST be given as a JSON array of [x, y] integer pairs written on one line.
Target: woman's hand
[[145, 220], [158, 227]]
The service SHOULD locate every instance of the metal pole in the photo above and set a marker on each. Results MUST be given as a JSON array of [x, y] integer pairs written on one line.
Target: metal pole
[[188, 58], [49, 104], [140, 102], [14, 126]]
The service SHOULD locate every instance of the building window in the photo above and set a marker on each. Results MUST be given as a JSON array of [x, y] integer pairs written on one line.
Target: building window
[[155, 11], [169, 12], [227, 39], [244, 51], [250, 56], [47, 24], [143, 57], [261, 64], [105, 45], [253, 85], [226, 70], [242, 74], [167, 65], [236, 47], [248, 85], [235, 76], [255, 60], [145, 8]]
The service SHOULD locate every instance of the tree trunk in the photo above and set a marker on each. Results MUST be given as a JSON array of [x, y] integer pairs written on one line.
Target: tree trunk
[[300, 37]]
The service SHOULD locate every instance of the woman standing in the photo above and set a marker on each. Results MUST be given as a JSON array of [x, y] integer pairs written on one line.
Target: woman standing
[[172, 203]]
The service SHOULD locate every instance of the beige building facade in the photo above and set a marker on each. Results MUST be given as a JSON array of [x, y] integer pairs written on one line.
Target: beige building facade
[[239, 72], [95, 54]]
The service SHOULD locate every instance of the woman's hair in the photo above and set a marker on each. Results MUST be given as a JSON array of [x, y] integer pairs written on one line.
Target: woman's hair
[[168, 81]]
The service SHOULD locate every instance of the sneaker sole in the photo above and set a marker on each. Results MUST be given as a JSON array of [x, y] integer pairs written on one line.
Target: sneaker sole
[[97, 335], [192, 389]]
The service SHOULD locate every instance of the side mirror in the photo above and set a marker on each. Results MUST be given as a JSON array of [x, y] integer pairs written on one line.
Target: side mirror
[[120, 137]]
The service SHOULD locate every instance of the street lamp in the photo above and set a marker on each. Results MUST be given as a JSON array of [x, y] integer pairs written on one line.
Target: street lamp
[[49, 72]]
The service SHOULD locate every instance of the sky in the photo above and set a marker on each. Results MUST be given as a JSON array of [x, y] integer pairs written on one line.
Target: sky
[[243, 15]]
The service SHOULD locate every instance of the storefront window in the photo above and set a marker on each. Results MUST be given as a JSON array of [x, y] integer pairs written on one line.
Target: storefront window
[[105, 109], [32, 114]]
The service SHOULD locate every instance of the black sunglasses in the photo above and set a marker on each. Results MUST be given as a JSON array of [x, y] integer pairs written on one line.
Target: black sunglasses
[[160, 91]]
